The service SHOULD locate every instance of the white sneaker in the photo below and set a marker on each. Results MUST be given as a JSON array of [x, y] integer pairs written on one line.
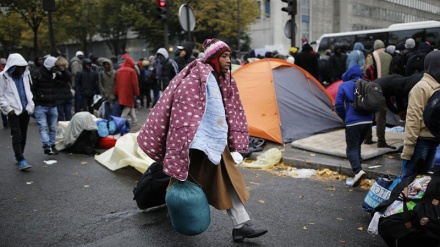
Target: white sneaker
[[358, 178]]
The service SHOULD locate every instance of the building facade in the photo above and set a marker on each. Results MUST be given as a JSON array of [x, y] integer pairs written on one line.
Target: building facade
[[317, 17]]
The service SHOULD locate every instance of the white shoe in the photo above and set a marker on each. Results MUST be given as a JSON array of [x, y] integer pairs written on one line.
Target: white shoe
[[358, 178]]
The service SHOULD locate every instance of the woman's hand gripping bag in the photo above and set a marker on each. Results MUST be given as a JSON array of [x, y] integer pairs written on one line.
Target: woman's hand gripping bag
[[188, 208]]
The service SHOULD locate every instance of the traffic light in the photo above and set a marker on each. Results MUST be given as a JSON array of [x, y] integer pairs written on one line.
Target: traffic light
[[291, 7], [162, 9]]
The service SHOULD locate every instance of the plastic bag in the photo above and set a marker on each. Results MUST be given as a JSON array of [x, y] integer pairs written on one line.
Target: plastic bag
[[378, 193], [266, 160]]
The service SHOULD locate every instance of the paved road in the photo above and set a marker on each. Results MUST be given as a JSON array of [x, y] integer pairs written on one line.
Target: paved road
[[78, 202]]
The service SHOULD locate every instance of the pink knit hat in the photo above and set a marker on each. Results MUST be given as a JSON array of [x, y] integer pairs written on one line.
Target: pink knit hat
[[213, 48]]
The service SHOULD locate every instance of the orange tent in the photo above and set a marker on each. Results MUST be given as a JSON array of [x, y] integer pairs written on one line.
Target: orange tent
[[283, 102]]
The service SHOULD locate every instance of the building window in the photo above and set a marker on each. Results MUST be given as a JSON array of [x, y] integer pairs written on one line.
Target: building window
[[267, 8], [305, 19]]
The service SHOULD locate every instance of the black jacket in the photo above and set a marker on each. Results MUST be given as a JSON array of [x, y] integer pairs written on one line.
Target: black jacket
[[44, 87]]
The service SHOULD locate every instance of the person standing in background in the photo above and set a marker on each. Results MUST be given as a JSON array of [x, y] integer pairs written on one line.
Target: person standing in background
[[107, 86], [63, 90], [76, 65], [16, 101], [86, 86], [356, 56], [127, 88], [164, 71]]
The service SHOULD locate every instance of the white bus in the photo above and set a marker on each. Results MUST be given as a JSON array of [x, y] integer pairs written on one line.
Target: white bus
[[393, 35]]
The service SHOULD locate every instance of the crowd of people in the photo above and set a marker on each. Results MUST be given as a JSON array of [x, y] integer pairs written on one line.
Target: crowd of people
[[408, 78], [52, 89]]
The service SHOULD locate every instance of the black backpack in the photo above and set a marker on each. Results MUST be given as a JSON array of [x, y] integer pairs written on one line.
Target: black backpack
[[431, 114], [368, 97], [419, 226], [151, 189]]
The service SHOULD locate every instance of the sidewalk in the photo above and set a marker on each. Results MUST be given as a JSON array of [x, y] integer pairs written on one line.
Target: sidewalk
[[389, 163]]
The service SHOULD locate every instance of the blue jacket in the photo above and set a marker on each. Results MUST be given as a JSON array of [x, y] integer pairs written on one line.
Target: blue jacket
[[345, 98], [356, 56]]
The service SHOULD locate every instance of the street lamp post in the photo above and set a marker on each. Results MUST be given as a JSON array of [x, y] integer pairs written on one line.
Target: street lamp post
[[49, 6]]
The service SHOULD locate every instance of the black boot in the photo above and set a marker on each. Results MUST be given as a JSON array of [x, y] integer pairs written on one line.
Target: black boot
[[246, 231]]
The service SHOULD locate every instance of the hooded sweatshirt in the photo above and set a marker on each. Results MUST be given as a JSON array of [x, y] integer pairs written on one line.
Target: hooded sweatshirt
[[356, 56], [418, 98], [127, 85], [183, 61], [345, 99], [107, 81], [10, 98]]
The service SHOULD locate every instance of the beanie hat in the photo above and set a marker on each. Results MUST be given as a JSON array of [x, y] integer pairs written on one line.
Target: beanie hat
[[391, 49], [79, 53], [293, 50], [410, 43], [378, 44], [49, 62], [145, 63], [213, 48]]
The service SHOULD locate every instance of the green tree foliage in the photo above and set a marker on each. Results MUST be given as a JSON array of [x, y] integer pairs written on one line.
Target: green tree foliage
[[80, 21], [114, 28], [11, 29], [214, 19], [31, 12], [77, 20]]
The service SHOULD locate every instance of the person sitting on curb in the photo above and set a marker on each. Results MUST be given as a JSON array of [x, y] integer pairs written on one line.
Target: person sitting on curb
[[357, 125]]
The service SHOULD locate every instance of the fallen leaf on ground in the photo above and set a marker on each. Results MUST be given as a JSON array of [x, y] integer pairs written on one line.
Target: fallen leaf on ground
[[360, 228], [84, 163], [86, 186], [261, 201], [31, 182], [305, 227], [339, 218]]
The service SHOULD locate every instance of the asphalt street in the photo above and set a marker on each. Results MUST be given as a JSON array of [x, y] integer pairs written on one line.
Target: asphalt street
[[78, 202]]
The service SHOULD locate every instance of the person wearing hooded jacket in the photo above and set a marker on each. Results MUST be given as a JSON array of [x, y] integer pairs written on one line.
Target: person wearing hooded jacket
[[185, 55], [356, 56], [127, 88], [307, 60], [16, 102], [44, 89], [86, 86], [194, 127], [107, 83], [356, 124], [337, 62], [164, 71], [419, 143]]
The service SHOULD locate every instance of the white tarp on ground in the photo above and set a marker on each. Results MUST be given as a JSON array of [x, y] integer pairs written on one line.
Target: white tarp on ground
[[333, 143], [126, 152]]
